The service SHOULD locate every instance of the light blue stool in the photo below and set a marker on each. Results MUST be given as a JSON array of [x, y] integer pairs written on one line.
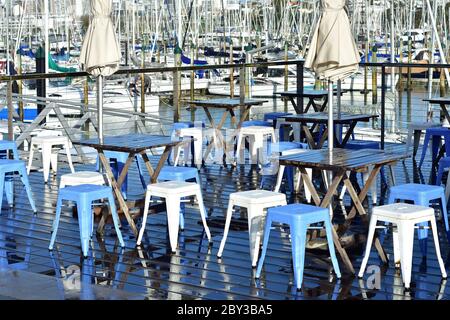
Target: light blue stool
[[6, 145], [84, 195], [421, 194], [435, 134], [169, 173], [298, 217], [273, 117], [8, 166]]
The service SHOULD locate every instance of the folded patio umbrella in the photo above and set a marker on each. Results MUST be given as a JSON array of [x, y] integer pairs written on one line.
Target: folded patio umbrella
[[332, 54], [100, 52]]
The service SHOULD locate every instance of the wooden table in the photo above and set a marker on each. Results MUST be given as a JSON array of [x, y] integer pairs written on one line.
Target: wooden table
[[228, 105], [133, 144], [317, 118], [442, 102], [312, 95], [340, 162]]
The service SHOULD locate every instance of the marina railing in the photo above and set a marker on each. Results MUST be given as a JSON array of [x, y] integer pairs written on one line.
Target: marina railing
[[243, 68]]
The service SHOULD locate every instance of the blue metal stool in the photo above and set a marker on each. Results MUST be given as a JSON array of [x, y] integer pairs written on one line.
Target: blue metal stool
[[8, 166], [443, 164], [6, 145], [169, 173], [280, 147], [273, 117], [421, 194], [84, 195], [435, 134], [298, 217]]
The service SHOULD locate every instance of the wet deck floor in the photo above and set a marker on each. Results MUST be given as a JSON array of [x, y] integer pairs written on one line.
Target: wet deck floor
[[194, 272]]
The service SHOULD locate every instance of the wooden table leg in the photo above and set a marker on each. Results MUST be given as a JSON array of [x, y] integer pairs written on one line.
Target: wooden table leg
[[357, 199], [162, 160], [324, 203], [309, 137], [294, 104], [347, 135], [445, 111], [119, 196], [217, 130]]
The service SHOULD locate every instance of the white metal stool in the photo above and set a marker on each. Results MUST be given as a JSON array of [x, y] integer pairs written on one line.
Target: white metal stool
[[256, 201], [173, 191], [81, 177], [197, 134], [46, 143], [405, 216], [256, 136]]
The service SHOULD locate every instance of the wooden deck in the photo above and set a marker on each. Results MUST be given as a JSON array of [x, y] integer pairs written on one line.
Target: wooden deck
[[194, 272]]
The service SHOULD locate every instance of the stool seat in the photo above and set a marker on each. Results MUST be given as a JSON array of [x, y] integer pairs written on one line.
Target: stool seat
[[300, 211], [171, 187], [361, 144], [275, 115], [178, 173], [81, 177], [49, 139], [256, 123], [411, 190], [402, 211], [87, 191], [282, 146], [256, 129], [256, 197]]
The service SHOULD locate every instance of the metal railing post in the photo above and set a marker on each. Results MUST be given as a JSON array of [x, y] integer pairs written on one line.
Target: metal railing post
[[10, 110], [383, 103]]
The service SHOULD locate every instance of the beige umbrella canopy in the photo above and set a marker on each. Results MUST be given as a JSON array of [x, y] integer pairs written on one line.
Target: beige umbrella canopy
[[100, 53], [332, 53]]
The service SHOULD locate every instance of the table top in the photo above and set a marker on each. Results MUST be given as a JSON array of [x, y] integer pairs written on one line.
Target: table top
[[130, 142], [308, 93], [438, 100], [322, 117], [341, 159], [225, 102]]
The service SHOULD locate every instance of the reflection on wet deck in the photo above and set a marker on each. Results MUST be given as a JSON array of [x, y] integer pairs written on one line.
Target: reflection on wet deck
[[194, 272]]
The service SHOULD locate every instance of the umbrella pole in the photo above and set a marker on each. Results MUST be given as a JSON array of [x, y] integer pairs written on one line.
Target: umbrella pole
[[330, 137], [100, 107]]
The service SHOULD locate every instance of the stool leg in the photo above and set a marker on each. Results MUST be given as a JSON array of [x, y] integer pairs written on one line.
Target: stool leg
[[30, 158], [425, 147], [308, 194], [173, 220], [396, 247], [115, 217], [298, 238], [279, 178], [198, 151], [255, 215], [443, 203], [439, 173], [2, 186], [264, 247], [186, 152], [144, 217], [333, 257], [69, 157], [226, 228], [423, 233], [55, 222], [417, 134], [15, 153], [54, 162], [46, 159], [203, 212], [290, 178], [436, 245], [372, 227], [9, 190], [406, 239], [435, 144], [84, 220], [26, 183]]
